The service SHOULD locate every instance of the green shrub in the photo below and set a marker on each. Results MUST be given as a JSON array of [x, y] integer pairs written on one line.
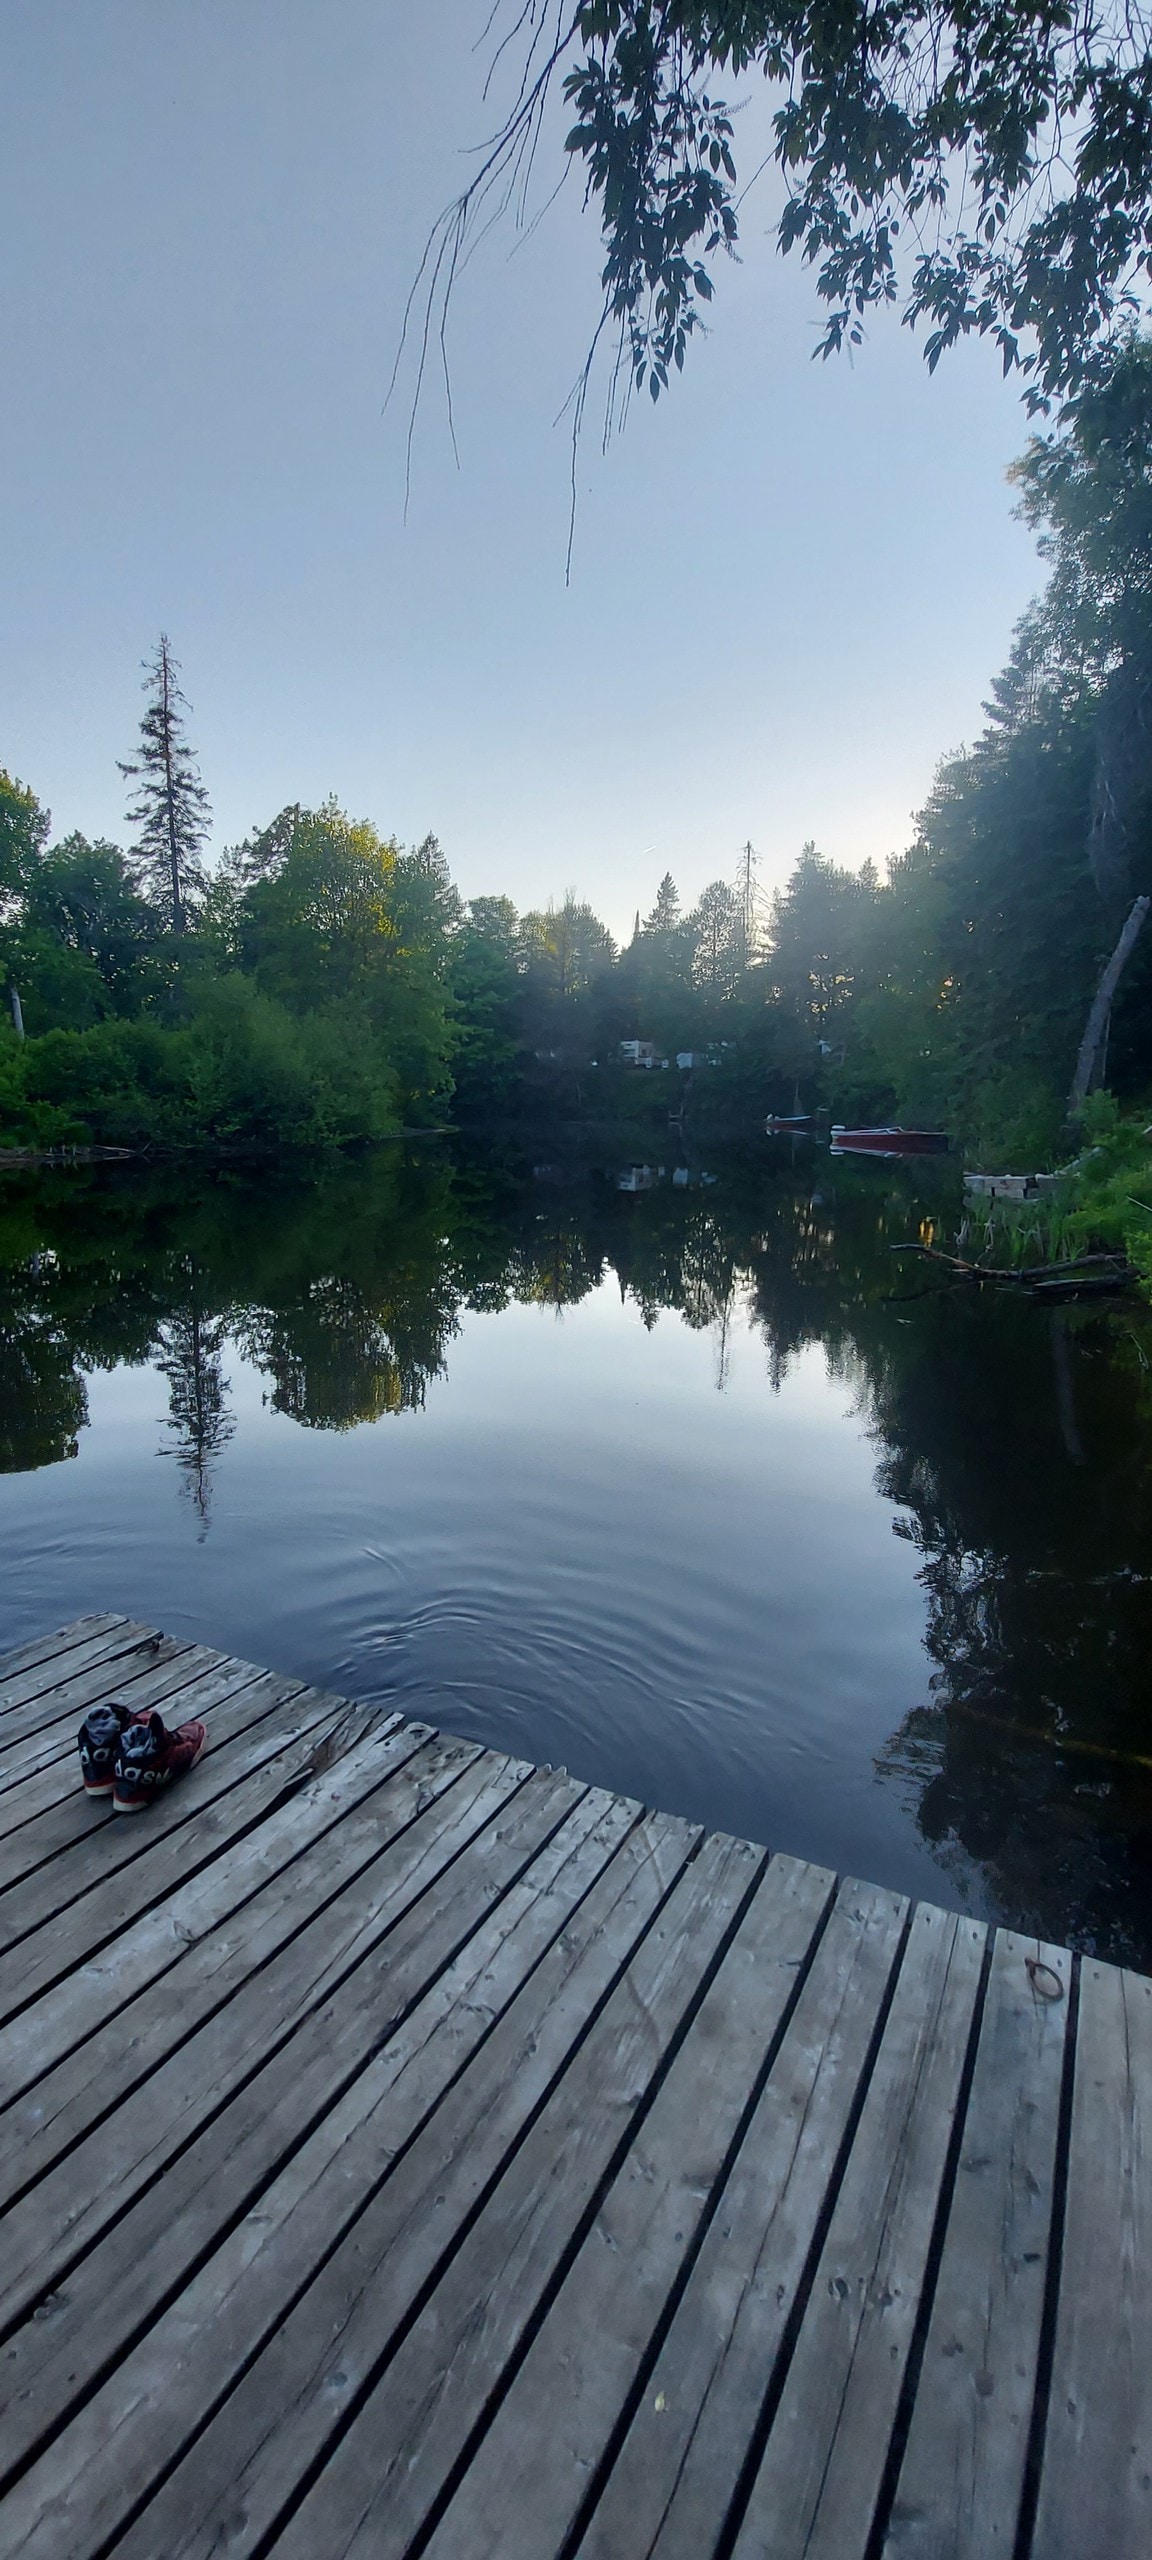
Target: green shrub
[[122, 1084], [1103, 1199], [1013, 1123], [242, 1071], [261, 1074]]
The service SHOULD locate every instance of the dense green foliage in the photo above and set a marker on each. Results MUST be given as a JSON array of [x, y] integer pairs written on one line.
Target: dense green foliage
[[305, 1000], [327, 984], [958, 989]]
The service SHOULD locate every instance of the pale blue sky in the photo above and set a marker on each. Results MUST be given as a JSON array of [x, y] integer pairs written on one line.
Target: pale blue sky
[[792, 582]]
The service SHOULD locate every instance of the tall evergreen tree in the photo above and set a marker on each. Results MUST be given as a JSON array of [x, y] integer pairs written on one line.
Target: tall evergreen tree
[[750, 904], [714, 930], [171, 807], [818, 927], [665, 914]]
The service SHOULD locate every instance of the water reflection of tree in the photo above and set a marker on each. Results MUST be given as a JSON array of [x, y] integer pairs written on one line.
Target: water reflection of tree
[[1016, 1460], [337, 1361], [1033, 1754], [189, 1353], [61, 1312], [1019, 1457], [558, 1267], [43, 1399]]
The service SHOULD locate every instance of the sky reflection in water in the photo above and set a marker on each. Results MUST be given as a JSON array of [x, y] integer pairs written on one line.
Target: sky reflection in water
[[689, 1487]]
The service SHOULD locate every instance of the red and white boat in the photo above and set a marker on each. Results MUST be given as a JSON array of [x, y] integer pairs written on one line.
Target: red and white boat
[[890, 1141]]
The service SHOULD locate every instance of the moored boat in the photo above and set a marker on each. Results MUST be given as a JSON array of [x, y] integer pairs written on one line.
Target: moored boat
[[889, 1141], [779, 1125]]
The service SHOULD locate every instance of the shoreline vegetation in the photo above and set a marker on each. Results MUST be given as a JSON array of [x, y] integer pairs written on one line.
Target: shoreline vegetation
[[1100, 1205], [325, 986]]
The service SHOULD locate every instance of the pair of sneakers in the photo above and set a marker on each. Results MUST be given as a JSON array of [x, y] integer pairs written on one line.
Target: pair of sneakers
[[132, 1755]]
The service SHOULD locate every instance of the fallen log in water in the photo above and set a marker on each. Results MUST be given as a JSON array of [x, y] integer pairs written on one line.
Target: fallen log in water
[[66, 1155], [1092, 1274]]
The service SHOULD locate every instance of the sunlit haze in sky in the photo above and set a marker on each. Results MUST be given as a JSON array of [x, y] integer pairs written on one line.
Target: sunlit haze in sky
[[792, 581]]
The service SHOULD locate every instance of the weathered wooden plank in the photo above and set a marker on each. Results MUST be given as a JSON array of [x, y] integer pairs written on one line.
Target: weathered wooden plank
[[282, 2411], [544, 1846], [45, 2231], [60, 1640], [43, 1769], [672, 2482], [36, 1670], [524, 2487], [962, 2476], [51, 1866], [211, 1932], [41, 1813], [90, 2479], [385, 2473], [118, 1868], [51, 1811], [369, 2142], [48, 1722], [816, 2488], [48, 1729], [49, 2028], [1096, 2470]]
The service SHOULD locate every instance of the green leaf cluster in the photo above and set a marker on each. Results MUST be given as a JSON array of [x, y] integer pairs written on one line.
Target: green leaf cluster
[[985, 169]]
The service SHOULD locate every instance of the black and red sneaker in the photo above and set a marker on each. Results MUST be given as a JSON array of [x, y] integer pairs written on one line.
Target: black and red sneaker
[[98, 1742], [149, 1757]]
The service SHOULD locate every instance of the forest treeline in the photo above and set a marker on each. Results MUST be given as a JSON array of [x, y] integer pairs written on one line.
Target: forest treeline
[[323, 983]]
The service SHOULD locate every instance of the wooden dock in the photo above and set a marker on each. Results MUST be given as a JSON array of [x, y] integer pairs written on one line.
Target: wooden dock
[[408, 2151]]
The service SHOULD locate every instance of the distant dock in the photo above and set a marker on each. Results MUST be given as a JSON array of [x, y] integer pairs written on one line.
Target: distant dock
[[406, 2151]]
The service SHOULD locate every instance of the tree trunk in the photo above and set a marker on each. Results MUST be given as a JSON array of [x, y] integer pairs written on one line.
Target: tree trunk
[[1096, 1028], [17, 1010]]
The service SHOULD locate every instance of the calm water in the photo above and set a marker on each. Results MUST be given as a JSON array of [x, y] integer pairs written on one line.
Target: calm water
[[675, 1476]]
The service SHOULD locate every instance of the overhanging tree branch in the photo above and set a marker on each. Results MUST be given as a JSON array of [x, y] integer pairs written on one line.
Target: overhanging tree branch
[[983, 166]]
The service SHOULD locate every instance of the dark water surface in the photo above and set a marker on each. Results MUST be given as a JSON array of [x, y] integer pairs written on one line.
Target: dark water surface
[[677, 1477]]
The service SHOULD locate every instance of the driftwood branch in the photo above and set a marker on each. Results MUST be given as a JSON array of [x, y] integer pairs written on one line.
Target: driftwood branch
[[1096, 1027], [1094, 1273]]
